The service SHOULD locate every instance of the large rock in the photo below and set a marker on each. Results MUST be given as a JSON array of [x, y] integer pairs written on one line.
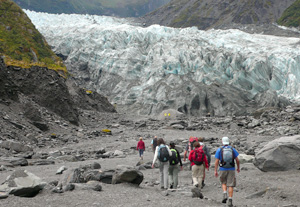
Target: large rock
[[279, 155], [15, 161], [22, 183], [127, 174], [16, 146]]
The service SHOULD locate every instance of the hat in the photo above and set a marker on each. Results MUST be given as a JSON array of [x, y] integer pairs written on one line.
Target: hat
[[225, 141]]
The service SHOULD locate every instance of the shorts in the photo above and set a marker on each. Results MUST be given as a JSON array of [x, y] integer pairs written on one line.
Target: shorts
[[228, 177]]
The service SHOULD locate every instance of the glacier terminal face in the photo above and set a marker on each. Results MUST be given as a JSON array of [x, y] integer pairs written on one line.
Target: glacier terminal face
[[149, 69]]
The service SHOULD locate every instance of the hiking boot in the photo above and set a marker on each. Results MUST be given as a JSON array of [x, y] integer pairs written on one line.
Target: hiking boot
[[230, 202], [203, 184], [196, 185], [171, 186], [224, 198]]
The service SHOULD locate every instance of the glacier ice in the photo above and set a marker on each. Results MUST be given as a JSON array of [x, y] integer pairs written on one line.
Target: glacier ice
[[153, 68]]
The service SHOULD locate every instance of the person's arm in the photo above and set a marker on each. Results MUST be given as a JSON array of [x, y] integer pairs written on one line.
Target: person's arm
[[206, 163], [217, 156], [170, 153], [190, 155], [208, 155], [179, 159], [184, 156], [155, 156], [237, 164], [216, 167]]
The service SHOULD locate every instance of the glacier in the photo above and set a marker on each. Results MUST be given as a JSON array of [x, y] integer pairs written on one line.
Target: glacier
[[149, 69]]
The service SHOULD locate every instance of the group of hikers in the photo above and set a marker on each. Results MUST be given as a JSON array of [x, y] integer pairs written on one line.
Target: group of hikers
[[226, 158]]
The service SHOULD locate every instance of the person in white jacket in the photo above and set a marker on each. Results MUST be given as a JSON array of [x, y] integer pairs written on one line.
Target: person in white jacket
[[162, 153]]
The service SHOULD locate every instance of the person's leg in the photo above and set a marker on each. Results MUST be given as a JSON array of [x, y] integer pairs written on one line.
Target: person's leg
[[223, 179], [200, 176], [175, 175], [203, 184], [165, 177], [194, 174], [230, 192], [171, 177], [161, 173], [231, 183]]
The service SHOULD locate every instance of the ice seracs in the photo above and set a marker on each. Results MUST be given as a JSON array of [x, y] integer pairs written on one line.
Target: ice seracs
[[149, 69]]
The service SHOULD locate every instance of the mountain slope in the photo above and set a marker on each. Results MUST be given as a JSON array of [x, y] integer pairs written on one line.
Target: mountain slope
[[121, 8], [207, 14], [21, 44], [291, 16]]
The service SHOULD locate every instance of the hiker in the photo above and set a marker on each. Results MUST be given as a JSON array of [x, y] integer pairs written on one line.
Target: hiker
[[174, 168], [198, 163], [141, 147], [208, 156], [162, 153], [225, 157], [154, 143], [189, 147]]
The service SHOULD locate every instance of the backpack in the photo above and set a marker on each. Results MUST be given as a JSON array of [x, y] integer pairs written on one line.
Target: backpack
[[198, 156], [174, 158], [227, 157], [192, 140], [154, 143], [163, 154]]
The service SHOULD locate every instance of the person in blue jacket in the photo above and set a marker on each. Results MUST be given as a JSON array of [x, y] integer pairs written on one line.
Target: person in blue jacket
[[226, 157]]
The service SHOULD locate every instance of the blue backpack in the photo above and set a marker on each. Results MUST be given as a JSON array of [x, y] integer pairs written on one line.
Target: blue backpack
[[227, 157], [163, 154]]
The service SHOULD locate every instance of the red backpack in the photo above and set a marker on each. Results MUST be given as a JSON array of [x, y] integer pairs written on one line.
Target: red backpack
[[192, 140], [198, 156]]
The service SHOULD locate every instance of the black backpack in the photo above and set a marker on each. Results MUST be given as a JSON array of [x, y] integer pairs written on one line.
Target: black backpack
[[163, 154], [174, 158]]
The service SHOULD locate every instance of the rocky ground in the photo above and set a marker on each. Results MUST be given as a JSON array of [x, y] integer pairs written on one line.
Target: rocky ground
[[35, 137], [81, 145]]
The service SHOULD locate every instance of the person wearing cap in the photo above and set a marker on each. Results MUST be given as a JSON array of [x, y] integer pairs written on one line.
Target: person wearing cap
[[174, 168], [226, 157], [141, 147]]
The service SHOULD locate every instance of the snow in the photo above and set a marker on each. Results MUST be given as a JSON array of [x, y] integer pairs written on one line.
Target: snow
[[145, 55]]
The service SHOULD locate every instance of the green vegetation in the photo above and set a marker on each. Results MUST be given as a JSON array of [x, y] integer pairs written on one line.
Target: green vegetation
[[291, 16], [122, 8], [20, 42]]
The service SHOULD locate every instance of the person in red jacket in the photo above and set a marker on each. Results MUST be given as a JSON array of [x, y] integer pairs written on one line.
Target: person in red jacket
[[199, 163], [141, 147]]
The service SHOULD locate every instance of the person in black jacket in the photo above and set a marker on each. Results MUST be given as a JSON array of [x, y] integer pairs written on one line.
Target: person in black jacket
[[207, 154], [174, 160]]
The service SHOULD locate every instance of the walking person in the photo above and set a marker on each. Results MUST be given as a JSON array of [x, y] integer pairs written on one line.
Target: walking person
[[174, 168], [207, 154], [154, 143], [141, 147], [225, 157], [198, 163], [163, 154]]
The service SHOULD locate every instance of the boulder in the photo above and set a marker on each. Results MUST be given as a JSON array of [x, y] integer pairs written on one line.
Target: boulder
[[16, 146], [15, 161], [243, 158], [22, 183], [281, 154], [170, 114], [127, 174]]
